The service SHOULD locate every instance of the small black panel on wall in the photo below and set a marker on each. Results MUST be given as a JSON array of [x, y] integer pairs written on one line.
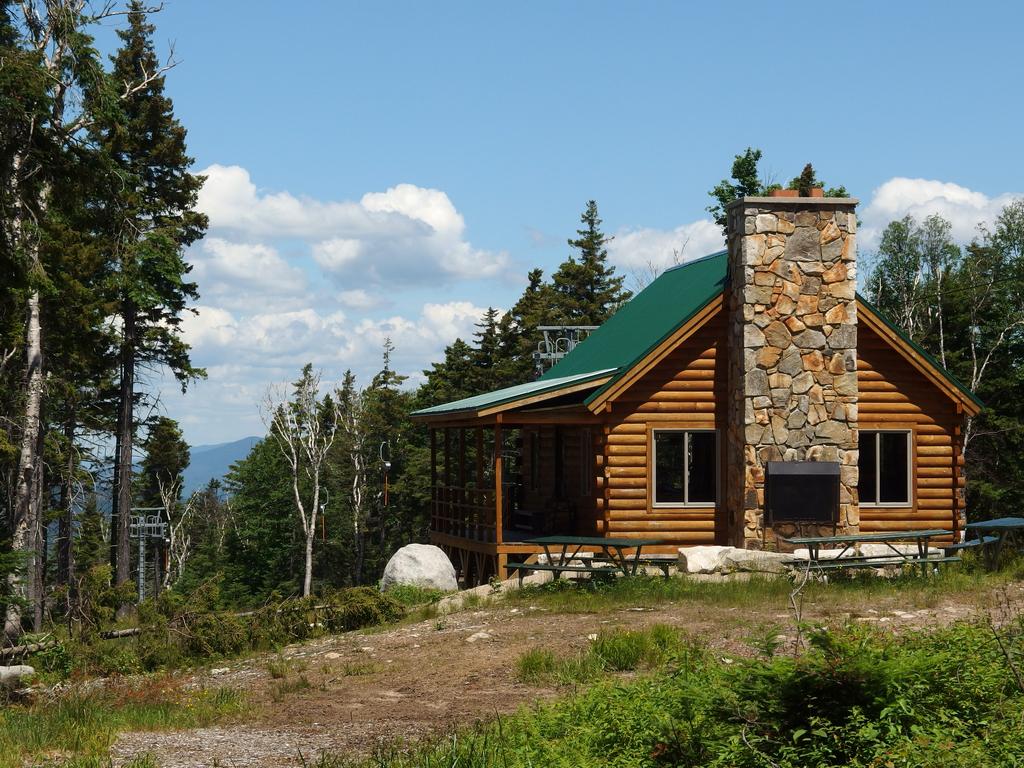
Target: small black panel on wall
[[801, 491]]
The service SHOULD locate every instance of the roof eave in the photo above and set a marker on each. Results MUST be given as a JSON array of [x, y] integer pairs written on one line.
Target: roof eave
[[598, 379]]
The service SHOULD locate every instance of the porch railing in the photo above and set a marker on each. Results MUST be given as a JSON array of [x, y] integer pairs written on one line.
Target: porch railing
[[468, 513]]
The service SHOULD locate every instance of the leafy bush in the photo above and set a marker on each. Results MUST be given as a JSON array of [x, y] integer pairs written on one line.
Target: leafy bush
[[177, 630], [856, 698]]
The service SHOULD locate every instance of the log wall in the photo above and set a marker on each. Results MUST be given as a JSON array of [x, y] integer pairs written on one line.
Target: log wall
[[685, 391], [894, 395]]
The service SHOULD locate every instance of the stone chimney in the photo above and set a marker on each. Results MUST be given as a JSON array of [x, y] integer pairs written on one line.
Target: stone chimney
[[792, 352]]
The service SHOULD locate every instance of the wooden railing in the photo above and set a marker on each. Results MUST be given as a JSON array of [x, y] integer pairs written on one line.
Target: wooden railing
[[468, 513]]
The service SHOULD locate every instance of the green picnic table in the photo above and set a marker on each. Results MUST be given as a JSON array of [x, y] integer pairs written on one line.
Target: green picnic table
[[849, 541], [997, 532], [559, 557]]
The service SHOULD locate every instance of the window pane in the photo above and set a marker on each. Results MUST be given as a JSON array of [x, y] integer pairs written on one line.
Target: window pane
[[701, 466], [668, 467], [893, 467], [866, 486]]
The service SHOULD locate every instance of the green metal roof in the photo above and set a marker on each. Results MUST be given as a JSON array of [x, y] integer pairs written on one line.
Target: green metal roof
[[639, 326], [510, 394], [647, 319], [923, 353]]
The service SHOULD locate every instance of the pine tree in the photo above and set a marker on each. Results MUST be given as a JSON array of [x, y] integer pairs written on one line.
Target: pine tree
[[50, 82], [586, 290], [151, 220], [166, 457]]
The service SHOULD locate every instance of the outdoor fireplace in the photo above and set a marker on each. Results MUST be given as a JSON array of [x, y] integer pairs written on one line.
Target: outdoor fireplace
[[802, 491]]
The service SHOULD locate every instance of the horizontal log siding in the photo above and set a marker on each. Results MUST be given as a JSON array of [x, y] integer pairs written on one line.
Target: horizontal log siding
[[682, 391], [894, 395]]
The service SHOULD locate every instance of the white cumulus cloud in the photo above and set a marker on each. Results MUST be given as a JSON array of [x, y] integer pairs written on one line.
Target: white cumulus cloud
[[652, 250], [898, 197], [399, 236]]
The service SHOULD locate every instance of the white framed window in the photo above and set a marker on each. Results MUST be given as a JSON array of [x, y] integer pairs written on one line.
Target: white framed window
[[685, 467], [884, 468]]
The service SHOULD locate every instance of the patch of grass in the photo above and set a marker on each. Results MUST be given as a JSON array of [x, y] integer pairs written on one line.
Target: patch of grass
[[536, 665], [355, 669], [414, 597], [277, 669], [616, 650], [574, 597], [844, 593], [81, 725], [288, 686]]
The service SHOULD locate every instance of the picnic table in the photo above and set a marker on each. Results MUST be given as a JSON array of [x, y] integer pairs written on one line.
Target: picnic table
[[992, 535], [848, 542], [612, 555]]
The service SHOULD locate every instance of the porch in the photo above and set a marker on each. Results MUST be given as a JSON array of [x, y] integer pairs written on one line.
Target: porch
[[498, 481]]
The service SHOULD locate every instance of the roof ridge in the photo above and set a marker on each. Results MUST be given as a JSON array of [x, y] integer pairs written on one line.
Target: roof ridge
[[714, 255]]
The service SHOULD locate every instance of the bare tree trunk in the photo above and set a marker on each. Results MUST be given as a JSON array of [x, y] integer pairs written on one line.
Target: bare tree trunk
[[23, 537], [119, 534], [40, 497], [65, 528]]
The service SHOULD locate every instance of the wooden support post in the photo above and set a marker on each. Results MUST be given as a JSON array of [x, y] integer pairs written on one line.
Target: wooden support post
[[478, 483], [464, 512], [433, 480], [498, 467], [449, 512]]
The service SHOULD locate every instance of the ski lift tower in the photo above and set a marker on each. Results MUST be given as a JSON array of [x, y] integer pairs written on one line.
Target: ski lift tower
[[147, 525], [559, 340]]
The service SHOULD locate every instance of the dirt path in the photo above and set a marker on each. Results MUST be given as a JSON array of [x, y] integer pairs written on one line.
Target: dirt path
[[420, 679]]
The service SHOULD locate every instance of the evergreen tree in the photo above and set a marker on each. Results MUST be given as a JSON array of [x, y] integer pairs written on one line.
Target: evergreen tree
[[586, 290], [151, 219], [451, 379], [166, 457], [51, 82], [263, 552]]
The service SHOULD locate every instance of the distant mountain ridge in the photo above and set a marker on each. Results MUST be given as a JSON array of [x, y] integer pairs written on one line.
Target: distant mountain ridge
[[212, 462]]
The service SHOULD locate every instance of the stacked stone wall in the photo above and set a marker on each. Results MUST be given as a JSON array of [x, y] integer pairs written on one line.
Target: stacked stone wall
[[793, 351]]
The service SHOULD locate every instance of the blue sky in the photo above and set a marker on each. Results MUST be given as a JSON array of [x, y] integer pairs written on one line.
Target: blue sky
[[390, 169]]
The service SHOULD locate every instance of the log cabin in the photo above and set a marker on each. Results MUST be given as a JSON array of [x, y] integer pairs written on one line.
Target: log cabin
[[746, 396]]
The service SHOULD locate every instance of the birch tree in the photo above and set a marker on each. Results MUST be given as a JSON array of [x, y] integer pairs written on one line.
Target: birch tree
[[351, 411], [304, 427], [991, 293]]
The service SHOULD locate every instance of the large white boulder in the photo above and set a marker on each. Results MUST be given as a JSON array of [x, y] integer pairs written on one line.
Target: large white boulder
[[420, 565], [704, 559], [12, 677]]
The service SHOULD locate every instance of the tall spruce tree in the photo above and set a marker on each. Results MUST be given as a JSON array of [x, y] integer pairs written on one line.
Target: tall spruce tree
[[586, 290], [151, 219], [52, 85]]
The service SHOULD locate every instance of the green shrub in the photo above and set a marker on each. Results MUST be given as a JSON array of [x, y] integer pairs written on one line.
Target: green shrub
[[856, 698]]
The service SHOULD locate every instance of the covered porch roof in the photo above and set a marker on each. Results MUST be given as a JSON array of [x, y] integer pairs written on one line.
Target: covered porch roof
[[522, 395]]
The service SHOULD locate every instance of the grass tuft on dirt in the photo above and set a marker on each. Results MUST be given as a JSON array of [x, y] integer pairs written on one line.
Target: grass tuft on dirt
[[77, 728]]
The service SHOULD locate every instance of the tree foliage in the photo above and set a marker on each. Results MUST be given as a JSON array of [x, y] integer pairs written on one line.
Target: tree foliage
[[965, 305]]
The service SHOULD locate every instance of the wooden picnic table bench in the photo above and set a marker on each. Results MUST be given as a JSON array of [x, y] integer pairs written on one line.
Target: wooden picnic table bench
[[612, 557], [894, 556], [993, 535]]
